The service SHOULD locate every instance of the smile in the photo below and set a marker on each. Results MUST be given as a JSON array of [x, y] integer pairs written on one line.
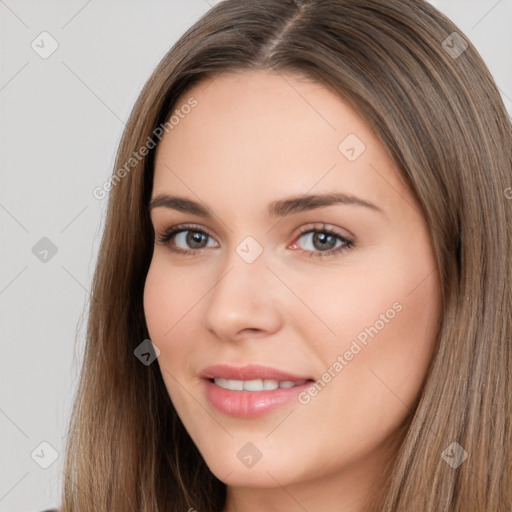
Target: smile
[[251, 391], [256, 385]]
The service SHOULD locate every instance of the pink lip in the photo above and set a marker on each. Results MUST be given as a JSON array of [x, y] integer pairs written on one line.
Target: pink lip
[[249, 372], [249, 404]]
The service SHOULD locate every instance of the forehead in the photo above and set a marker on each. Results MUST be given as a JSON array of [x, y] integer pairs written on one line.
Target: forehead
[[264, 109], [260, 132]]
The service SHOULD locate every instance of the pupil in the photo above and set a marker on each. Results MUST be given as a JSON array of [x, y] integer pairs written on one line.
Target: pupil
[[322, 237], [194, 237]]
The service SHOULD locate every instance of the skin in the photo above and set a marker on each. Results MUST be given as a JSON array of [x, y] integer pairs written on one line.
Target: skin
[[253, 138]]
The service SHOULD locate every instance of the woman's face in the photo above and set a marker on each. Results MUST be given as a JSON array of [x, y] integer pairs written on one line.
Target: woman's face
[[305, 259]]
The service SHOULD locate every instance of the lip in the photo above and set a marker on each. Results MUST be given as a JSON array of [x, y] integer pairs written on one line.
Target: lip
[[249, 372], [249, 404]]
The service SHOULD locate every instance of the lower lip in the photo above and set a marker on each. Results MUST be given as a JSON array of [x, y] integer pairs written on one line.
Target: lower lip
[[250, 404]]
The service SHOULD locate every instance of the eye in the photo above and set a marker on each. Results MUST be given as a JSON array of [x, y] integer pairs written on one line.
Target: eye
[[323, 241], [328, 241], [190, 236]]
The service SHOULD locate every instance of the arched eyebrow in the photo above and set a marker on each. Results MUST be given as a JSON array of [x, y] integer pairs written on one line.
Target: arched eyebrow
[[276, 208], [310, 202]]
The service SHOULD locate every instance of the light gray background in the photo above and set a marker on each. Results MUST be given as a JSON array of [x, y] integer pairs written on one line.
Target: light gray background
[[61, 120]]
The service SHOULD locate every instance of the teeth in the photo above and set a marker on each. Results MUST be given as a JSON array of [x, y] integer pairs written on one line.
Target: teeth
[[270, 384], [256, 385]]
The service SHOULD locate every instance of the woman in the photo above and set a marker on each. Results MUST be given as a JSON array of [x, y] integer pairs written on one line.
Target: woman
[[333, 332]]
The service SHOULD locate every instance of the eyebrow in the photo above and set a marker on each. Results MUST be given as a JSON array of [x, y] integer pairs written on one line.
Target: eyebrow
[[276, 208]]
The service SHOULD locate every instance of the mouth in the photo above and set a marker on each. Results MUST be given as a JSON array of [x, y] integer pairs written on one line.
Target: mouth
[[256, 384], [251, 391]]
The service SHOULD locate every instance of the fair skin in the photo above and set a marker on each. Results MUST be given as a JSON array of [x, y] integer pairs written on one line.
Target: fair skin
[[254, 138]]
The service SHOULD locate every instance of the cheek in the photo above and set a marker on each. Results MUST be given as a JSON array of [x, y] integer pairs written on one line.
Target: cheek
[[166, 302], [384, 307], [171, 297], [386, 321], [401, 345], [169, 293]]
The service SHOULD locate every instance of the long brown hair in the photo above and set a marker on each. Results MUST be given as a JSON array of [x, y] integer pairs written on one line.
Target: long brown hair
[[440, 116]]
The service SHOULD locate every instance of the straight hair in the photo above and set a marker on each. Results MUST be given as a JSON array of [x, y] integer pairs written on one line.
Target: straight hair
[[442, 121]]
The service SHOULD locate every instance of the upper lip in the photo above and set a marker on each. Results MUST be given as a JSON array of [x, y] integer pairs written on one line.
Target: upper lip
[[249, 372]]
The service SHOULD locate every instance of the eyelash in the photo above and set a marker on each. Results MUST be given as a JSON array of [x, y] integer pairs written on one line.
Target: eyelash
[[167, 236]]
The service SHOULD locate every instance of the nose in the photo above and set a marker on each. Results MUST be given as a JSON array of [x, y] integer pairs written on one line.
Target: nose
[[244, 301]]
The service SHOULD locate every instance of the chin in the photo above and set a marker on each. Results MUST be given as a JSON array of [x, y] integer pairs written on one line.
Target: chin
[[241, 463]]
